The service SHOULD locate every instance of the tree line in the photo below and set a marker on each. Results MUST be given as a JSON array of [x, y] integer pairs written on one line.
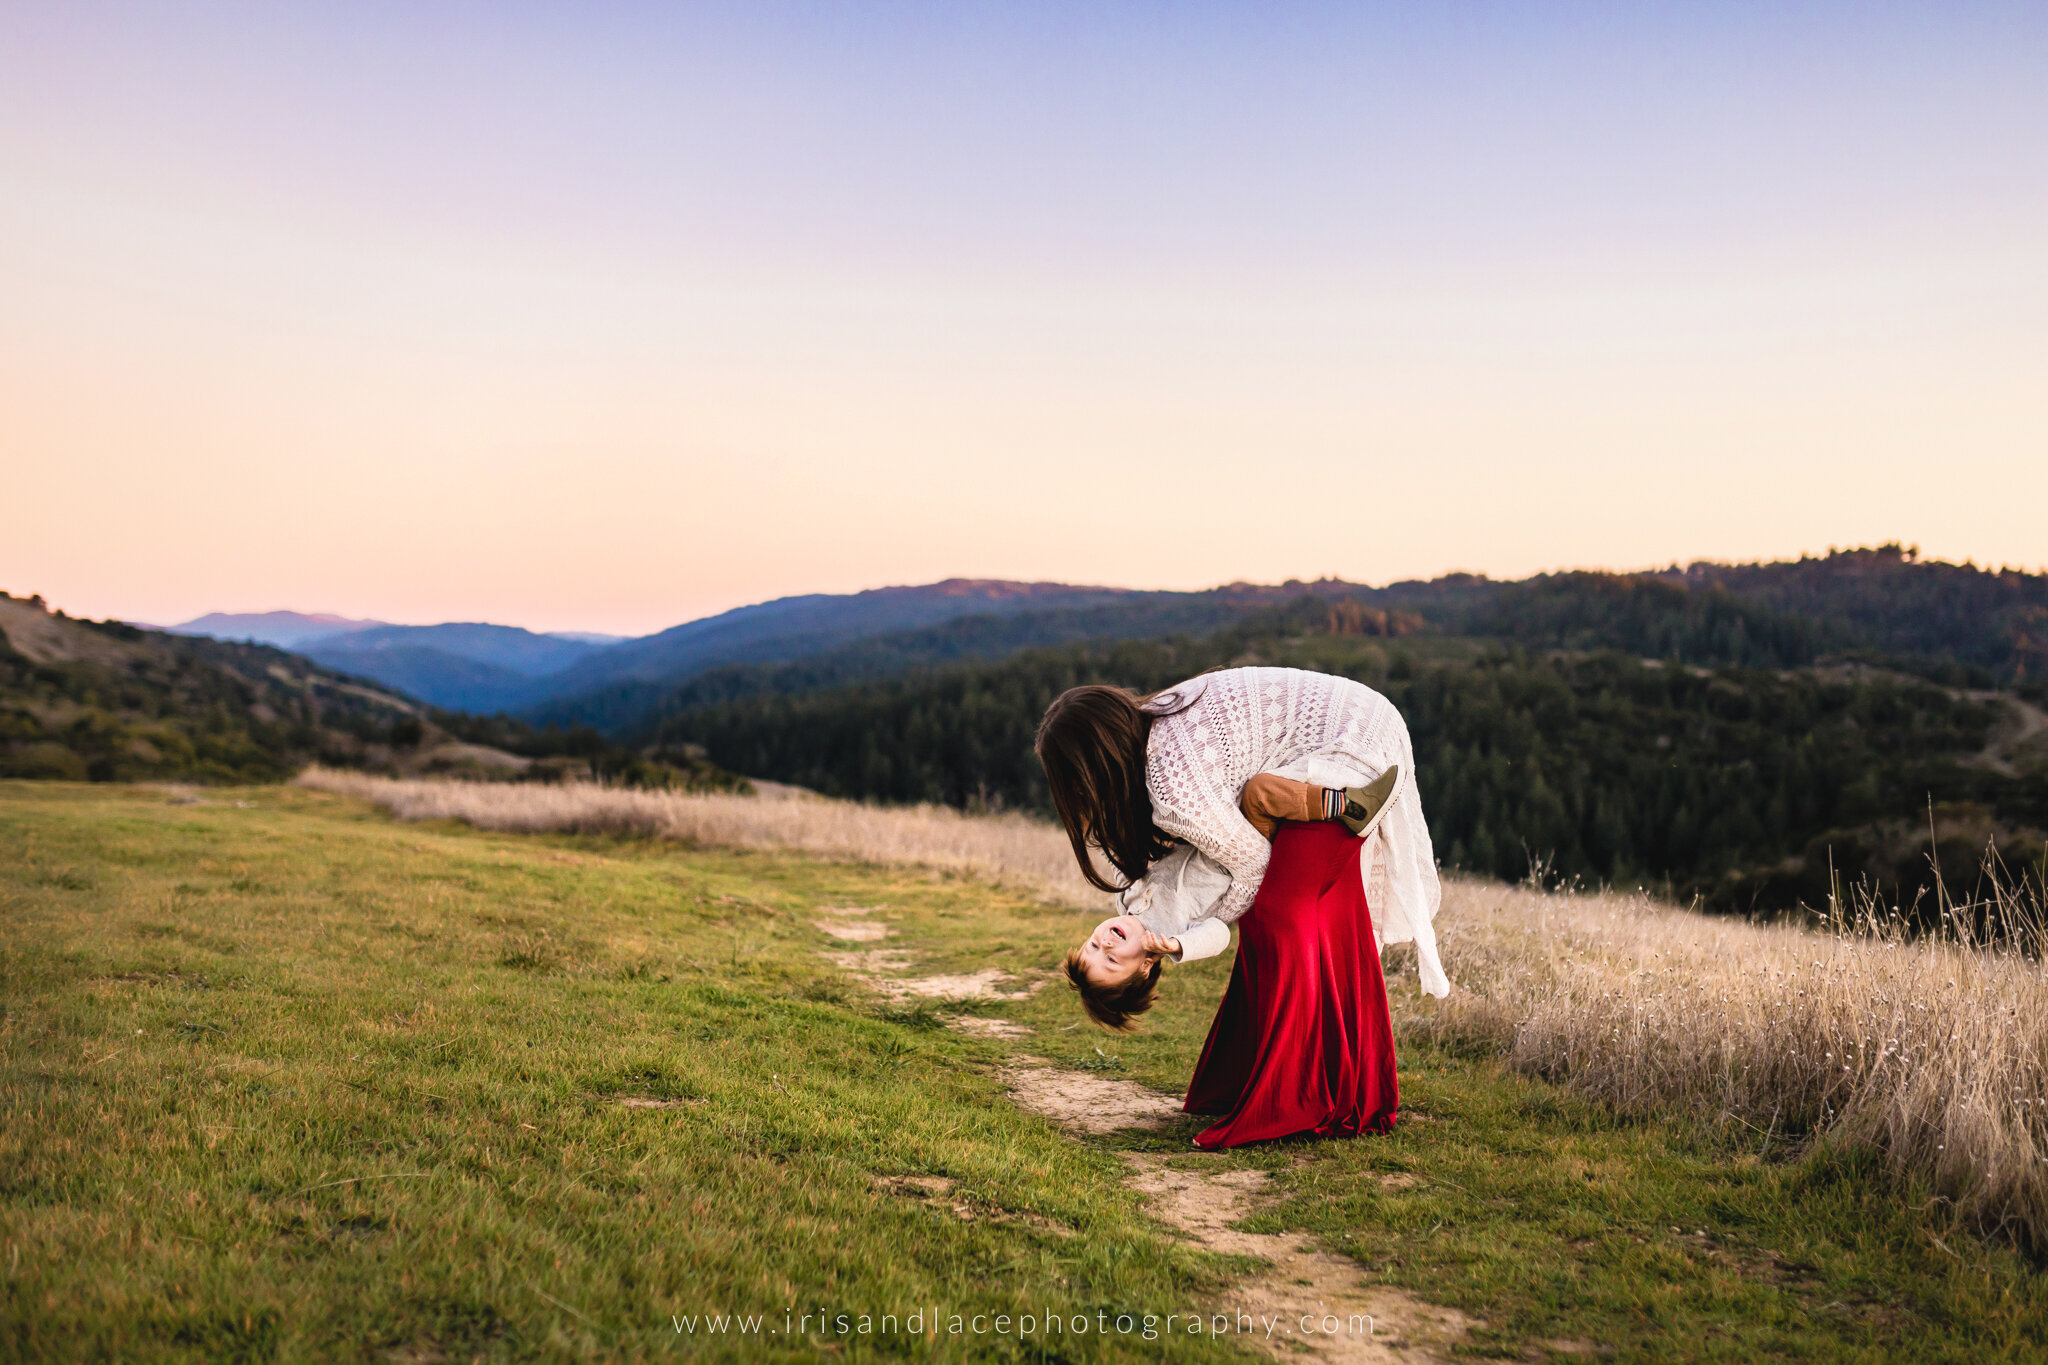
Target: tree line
[[1601, 766]]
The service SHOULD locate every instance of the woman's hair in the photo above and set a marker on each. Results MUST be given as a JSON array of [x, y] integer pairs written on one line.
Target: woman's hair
[[1092, 744], [1113, 1006]]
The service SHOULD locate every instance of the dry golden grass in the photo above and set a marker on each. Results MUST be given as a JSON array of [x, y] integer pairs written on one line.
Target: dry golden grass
[[1933, 1053], [1010, 850]]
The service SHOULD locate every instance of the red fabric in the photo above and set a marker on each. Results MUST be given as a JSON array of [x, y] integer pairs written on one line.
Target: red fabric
[[1302, 1042]]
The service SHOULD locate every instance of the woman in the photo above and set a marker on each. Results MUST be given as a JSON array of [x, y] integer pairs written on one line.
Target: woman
[[1302, 1042]]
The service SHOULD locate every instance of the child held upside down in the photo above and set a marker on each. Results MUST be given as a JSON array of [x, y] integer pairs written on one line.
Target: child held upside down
[[1164, 916], [1282, 801]]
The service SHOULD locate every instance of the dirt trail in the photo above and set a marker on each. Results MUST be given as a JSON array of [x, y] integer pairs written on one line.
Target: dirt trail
[[1306, 1303], [2010, 746], [880, 968], [1318, 1304]]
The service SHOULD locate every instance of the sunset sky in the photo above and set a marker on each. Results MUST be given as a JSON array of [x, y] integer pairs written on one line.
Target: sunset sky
[[606, 316]]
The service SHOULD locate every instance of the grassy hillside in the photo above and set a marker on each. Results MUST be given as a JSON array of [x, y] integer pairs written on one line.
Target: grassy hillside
[[286, 1080], [104, 701], [107, 701]]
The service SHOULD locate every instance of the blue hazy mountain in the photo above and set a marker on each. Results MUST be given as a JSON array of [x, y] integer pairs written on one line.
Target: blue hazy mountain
[[473, 666], [461, 665], [285, 629], [1882, 603], [613, 689], [615, 684], [523, 653]]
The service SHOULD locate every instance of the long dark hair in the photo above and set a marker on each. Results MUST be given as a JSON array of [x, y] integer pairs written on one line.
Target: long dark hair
[[1092, 744]]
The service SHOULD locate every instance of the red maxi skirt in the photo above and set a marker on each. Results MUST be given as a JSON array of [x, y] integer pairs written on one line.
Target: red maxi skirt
[[1302, 1042]]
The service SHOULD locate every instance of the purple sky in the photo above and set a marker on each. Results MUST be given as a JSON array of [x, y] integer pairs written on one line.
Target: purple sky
[[603, 317]]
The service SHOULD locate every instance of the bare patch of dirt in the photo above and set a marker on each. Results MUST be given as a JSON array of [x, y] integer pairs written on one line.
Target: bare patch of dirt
[[939, 1189], [871, 964], [917, 1186], [971, 986], [1400, 1180], [877, 967], [1084, 1101], [977, 1027], [1317, 1304], [854, 932]]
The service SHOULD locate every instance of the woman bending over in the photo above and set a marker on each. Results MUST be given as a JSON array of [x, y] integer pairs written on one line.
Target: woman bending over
[[1181, 793]]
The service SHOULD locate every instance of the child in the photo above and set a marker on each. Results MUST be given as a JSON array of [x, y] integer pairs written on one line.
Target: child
[[1165, 914]]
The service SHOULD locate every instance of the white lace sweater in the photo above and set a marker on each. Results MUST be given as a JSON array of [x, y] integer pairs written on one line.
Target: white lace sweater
[[1212, 734]]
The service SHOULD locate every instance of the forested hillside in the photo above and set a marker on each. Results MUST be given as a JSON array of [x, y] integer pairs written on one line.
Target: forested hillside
[[1733, 781], [790, 650], [1891, 601], [108, 701], [105, 701], [1737, 730]]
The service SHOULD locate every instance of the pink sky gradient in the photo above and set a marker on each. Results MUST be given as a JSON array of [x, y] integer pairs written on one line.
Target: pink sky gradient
[[427, 314]]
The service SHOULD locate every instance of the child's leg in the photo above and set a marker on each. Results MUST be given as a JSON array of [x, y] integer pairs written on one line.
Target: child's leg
[[1268, 800]]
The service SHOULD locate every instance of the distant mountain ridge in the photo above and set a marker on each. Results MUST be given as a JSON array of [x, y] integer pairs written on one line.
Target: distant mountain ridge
[[284, 629], [460, 665], [463, 666], [616, 691], [1880, 604]]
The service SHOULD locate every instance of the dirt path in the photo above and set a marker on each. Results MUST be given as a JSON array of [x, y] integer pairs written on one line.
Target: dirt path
[[2004, 752], [881, 969], [1308, 1302]]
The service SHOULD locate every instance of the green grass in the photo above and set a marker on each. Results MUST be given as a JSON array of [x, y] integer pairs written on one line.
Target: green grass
[[287, 1080]]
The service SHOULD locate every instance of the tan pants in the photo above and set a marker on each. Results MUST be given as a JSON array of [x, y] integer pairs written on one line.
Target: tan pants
[[1268, 800]]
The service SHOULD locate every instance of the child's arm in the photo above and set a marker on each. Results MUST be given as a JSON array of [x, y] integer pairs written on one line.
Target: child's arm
[[1203, 938], [1268, 800]]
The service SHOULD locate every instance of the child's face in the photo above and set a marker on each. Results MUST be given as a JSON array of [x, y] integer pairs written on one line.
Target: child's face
[[1116, 951]]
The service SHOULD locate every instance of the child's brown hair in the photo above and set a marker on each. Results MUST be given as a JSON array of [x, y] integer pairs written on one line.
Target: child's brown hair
[[1113, 1006]]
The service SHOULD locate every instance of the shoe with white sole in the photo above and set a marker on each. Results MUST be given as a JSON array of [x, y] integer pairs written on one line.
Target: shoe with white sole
[[1365, 806]]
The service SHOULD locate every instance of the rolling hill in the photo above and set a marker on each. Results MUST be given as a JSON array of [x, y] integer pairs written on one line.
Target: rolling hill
[[464, 666], [794, 627], [285, 629], [1884, 606], [108, 701], [778, 652], [1749, 785]]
